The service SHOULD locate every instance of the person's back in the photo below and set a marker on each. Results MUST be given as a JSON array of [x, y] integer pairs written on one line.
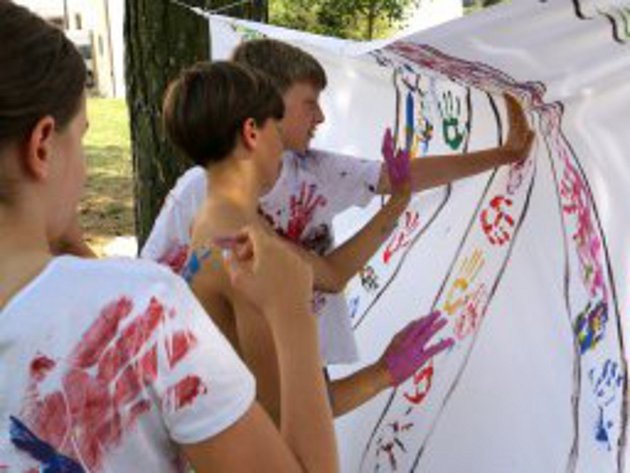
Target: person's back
[[102, 360]]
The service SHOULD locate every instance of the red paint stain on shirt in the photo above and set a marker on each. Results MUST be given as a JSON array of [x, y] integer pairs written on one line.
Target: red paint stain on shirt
[[102, 390], [132, 339], [179, 345], [101, 333], [40, 366], [184, 392]]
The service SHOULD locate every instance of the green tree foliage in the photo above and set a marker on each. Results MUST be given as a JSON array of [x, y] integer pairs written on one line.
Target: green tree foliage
[[471, 6], [353, 19]]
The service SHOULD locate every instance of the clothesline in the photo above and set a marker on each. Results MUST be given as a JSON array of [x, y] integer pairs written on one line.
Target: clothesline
[[215, 10]]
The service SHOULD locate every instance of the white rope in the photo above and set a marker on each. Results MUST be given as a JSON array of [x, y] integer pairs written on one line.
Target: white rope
[[201, 11], [227, 7]]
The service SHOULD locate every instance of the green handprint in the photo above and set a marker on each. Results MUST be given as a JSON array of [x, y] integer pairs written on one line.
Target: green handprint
[[451, 110]]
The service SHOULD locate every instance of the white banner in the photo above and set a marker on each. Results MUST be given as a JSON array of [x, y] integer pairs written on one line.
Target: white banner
[[529, 262]]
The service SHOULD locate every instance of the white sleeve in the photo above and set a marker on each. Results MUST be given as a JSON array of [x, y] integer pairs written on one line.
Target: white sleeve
[[349, 181], [203, 387], [170, 236]]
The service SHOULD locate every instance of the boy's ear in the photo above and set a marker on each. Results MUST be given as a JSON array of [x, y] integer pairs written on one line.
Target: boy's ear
[[249, 134], [39, 148]]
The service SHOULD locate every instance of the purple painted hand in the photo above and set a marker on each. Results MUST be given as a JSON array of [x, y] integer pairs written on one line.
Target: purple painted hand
[[397, 162], [408, 350]]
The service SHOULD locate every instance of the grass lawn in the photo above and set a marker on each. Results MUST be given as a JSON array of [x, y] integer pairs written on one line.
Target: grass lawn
[[107, 206]]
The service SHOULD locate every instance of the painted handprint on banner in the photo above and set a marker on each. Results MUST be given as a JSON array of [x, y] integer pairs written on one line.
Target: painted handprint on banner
[[471, 315], [453, 128], [403, 237], [418, 128], [496, 220], [369, 279], [607, 382], [459, 293], [575, 201], [590, 325], [417, 393]]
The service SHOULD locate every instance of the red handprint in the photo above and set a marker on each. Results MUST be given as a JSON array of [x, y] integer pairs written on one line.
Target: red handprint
[[102, 382], [422, 381], [496, 222], [472, 313], [302, 209], [402, 238]]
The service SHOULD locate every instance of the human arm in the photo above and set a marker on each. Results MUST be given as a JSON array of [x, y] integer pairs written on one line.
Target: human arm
[[259, 269], [333, 271], [433, 171], [408, 351], [245, 439], [258, 350], [251, 444]]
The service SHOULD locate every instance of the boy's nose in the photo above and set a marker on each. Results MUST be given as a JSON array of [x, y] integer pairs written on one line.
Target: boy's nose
[[319, 115]]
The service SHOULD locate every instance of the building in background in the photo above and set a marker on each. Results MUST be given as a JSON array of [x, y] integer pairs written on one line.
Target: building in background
[[96, 28], [108, 19]]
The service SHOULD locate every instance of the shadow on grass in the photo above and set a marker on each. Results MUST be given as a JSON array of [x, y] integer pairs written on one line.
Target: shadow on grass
[[107, 205]]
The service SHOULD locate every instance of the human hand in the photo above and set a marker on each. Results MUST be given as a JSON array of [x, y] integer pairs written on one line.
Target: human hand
[[408, 351], [520, 137], [261, 265], [398, 165]]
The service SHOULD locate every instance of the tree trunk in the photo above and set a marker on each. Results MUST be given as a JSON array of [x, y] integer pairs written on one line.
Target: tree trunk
[[161, 38], [371, 18]]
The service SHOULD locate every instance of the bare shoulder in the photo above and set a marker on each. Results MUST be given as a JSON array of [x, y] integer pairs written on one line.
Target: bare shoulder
[[206, 264], [205, 270]]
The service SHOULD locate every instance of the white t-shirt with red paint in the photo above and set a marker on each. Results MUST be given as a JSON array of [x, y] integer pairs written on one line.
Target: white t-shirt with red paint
[[312, 189], [106, 365]]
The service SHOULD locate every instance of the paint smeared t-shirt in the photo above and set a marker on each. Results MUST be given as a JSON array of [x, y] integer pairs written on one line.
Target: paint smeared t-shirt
[[106, 365], [312, 189]]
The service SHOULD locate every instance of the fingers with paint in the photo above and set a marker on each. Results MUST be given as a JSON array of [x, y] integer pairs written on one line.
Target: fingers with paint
[[397, 162], [410, 350]]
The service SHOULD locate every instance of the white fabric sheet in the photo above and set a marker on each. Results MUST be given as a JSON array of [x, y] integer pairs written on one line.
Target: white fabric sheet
[[529, 262]]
